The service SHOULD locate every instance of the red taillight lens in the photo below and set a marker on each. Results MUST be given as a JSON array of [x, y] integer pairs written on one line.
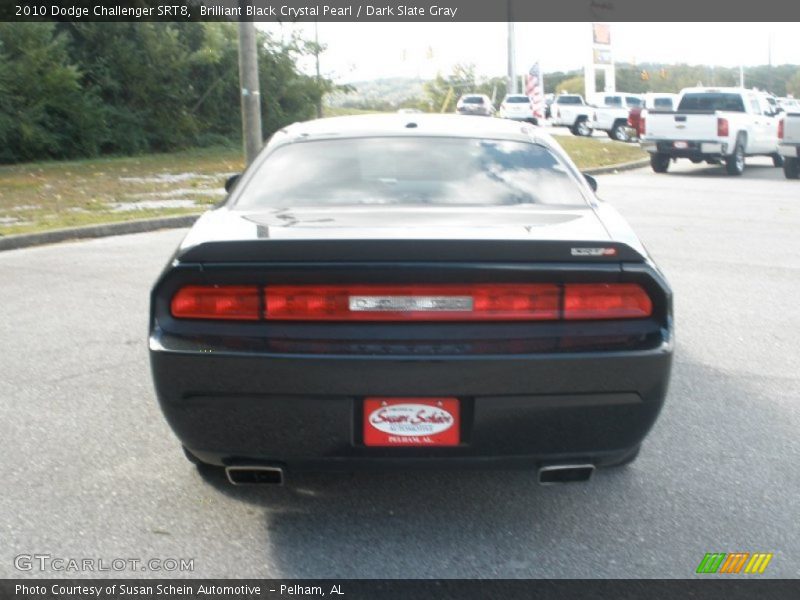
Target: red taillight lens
[[780, 129], [217, 302], [642, 125], [722, 127], [446, 302], [583, 301], [487, 302]]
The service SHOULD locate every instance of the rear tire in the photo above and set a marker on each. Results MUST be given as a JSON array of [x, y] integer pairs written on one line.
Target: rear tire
[[791, 168], [777, 160], [734, 164], [659, 162], [581, 128], [620, 132]]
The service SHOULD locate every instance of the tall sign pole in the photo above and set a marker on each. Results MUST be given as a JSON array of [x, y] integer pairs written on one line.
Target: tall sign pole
[[602, 60], [512, 54], [250, 93], [512, 62]]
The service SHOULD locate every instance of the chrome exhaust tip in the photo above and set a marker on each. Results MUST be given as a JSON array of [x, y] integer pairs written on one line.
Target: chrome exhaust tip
[[555, 474], [254, 475]]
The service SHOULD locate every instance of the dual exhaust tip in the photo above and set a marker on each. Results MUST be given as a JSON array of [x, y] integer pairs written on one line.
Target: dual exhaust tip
[[263, 475], [555, 474], [254, 475]]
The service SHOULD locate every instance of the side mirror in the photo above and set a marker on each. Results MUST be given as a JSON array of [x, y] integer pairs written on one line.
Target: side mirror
[[231, 182], [591, 181]]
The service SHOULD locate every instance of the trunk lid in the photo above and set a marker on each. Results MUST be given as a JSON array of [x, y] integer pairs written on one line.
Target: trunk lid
[[508, 233]]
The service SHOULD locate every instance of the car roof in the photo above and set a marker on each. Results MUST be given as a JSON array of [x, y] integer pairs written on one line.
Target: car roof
[[716, 90], [412, 125]]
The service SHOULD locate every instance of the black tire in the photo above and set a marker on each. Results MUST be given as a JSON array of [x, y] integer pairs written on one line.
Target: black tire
[[623, 459], [777, 160], [734, 164], [659, 162], [620, 132], [791, 168], [581, 128]]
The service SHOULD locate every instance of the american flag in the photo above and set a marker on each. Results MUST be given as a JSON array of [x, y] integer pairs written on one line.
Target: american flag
[[534, 90]]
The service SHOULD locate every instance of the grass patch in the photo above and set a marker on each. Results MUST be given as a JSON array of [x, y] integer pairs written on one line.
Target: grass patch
[[591, 153], [51, 195]]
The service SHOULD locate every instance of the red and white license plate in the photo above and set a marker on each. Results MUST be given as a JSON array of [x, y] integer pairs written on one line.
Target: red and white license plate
[[411, 422], [680, 145]]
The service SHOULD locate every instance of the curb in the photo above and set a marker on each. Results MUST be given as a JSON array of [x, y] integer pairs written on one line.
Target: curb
[[636, 164], [25, 240]]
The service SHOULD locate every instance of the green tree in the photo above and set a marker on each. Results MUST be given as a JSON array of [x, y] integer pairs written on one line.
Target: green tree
[[45, 111]]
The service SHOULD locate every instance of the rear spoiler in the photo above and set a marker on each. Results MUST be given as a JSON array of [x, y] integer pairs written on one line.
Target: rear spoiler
[[508, 251]]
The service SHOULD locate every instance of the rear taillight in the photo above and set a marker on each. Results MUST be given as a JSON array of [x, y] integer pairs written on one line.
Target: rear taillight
[[780, 129], [237, 302], [446, 302], [722, 127], [642, 125], [584, 301]]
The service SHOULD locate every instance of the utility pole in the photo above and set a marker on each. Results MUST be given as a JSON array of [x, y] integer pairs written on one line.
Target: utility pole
[[769, 58], [250, 93], [512, 63], [319, 79]]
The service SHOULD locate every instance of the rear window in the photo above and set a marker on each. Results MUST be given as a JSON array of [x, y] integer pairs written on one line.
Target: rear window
[[409, 171], [663, 103], [518, 100], [472, 100], [613, 101], [712, 101], [633, 101], [569, 100]]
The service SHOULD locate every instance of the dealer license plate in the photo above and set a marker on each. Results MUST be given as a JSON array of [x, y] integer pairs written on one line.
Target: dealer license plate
[[411, 422]]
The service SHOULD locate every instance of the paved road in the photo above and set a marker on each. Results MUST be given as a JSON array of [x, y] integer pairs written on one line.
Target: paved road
[[90, 469]]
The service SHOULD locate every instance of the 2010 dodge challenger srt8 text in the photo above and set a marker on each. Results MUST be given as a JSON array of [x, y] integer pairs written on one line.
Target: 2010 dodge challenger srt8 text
[[413, 291]]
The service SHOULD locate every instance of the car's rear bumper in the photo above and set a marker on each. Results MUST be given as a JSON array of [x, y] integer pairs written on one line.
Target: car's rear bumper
[[789, 150], [701, 150], [305, 411]]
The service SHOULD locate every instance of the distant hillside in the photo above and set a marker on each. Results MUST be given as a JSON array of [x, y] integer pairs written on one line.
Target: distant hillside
[[391, 92], [395, 92]]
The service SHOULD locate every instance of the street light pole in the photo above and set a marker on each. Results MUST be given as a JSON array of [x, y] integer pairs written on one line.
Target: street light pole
[[316, 58], [250, 93], [512, 63]]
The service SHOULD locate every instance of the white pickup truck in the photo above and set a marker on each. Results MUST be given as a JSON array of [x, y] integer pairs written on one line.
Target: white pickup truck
[[789, 144], [713, 125], [571, 111], [611, 115]]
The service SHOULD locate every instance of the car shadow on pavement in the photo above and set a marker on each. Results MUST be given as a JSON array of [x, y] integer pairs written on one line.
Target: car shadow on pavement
[[715, 461]]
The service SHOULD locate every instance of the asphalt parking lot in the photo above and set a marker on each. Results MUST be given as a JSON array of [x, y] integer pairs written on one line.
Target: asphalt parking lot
[[91, 469]]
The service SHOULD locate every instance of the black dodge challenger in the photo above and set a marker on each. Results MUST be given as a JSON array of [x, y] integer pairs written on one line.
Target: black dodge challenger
[[411, 291]]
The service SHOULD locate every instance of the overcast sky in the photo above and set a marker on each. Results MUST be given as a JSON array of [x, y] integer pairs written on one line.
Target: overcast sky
[[364, 51]]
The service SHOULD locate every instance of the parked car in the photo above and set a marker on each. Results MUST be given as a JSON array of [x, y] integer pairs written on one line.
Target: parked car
[[789, 143], [789, 104], [713, 125], [375, 295], [475, 104], [611, 115], [517, 107], [653, 101], [570, 110]]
